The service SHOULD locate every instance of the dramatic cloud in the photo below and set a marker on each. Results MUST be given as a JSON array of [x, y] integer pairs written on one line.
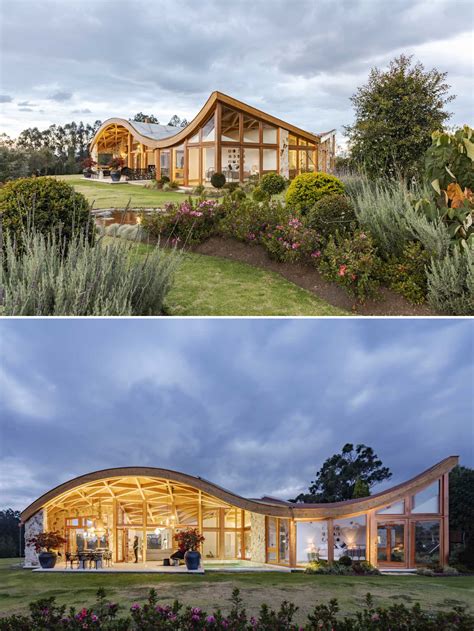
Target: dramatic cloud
[[300, 61], [253, 405], [5, 98]]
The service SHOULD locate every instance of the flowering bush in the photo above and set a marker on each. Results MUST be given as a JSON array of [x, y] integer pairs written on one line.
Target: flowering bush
[[45, 614], [185, 223], [359, 568], [248, 221], [353, 263], [51, 540], [407, 274], [189, 539], [292, 242]]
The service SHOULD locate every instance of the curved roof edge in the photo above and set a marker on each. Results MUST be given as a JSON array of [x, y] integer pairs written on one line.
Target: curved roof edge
[[263, 506], [198, 120]]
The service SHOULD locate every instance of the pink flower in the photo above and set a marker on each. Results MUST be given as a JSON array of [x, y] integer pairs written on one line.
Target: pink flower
[[342, 270], [375, 617], [94, 618], [135, 607], [316, 254], [295, 246], [210, 619]]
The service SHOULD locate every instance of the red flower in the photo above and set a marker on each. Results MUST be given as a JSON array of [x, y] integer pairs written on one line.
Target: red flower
[[342, 270]]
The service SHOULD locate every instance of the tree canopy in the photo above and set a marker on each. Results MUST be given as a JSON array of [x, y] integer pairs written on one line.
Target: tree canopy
[[354, 470], [140, 117], [395, 114], [461, 501]]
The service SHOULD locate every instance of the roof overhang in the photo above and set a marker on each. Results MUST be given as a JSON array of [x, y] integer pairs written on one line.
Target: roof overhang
[[337, 509]]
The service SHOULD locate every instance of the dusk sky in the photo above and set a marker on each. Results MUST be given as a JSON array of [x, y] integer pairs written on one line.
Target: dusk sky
[[253, 405], [301, 61]]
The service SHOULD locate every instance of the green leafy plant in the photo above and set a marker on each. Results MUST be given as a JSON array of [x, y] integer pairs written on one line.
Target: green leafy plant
[[45, 204], [43, 278], [451, 283], [259, 195], [273, 183], [247, 220], [330, 214], [407, 274], [218, 180], [353, 262], [308, 188]]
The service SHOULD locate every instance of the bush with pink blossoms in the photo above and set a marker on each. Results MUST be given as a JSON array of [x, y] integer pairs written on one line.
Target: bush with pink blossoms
[[353, 262], [151, 616], [248, 220], [183, 224], [293, 242]]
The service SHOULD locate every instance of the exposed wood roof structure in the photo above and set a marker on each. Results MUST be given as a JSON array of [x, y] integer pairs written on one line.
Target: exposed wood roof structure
[[165, 490]]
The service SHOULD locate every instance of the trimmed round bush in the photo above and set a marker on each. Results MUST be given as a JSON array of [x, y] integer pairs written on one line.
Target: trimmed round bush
[[47, 204], [272, 183], [218, 180], [331, 213], [345, 560], [308, 188], [259, 195]]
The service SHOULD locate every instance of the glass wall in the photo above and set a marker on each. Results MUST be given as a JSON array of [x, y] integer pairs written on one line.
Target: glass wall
[[210, 547], [391, 543], [269, 160], [397, 508], [251, 162], [272, 552], [311, 541], [165, 162], [193, 165], [278, 540], [208, 163], [251, 131], [209, 130], [269, 134], [230, 128], [427, 500], [178, 164], [350, 538], [230, 157], [427, 542], [283, 541]]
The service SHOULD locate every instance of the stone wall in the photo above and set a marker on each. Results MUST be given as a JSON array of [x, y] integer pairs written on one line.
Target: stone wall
[[284, 157], [258, 546], [34, 526]]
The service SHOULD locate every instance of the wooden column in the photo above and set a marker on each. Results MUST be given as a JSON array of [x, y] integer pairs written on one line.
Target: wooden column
[[115, 529], [221, 533], [129, 152], [200, 516], [218, 159], [144, 519], [444, 526], [292, 533], [200, 150], [186, 165], [157, 164], [330, 540]]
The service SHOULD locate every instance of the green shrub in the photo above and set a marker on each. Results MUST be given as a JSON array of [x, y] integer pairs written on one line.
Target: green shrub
[[259, 195], [248, 221], [238, 194], [354, 184], [46, 279], [273, 183], [164, 179], [218, 180], [345, 560], [292, 242], [407, 275], [47, 204], [231, 186], [331, 213], [451, 283], [353, 262], [166, 187], [173, 185], [199, 190], [308, 188], [185, 223]]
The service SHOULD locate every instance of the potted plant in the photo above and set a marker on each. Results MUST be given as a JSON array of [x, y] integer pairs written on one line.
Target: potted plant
[[115, 168], [45, 543], [87, 165], [189, 542]]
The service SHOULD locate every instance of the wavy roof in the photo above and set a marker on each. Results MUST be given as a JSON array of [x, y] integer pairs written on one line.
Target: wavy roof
[[266, 505], [163, 136]]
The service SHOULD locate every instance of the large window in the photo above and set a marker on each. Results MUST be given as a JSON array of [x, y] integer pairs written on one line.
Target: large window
[[230, 125], [231, 163], [311, 541], [208, 163], [210, 547], [269, 134], [251, 129], [349, 538], [209, 130], [397, 508], [426, 542], [193, 165], [391, 543], [251, 162], [427, 500], [272, 551], [269, 160], [283, 541], [165, 162], [278, 540]]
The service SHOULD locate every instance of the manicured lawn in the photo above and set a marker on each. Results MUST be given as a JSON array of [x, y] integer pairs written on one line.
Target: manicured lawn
[[19, 587], [119, 195], [213, 286]]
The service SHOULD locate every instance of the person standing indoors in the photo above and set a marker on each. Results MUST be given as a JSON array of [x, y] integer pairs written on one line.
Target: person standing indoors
[[135, 548]]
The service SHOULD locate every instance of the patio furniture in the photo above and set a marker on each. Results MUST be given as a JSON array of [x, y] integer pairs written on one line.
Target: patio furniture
[[166, 562], [71, 559]]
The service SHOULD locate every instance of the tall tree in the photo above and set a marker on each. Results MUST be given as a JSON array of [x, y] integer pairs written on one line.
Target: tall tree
[[395, 114], [337, 478], [11, 537], [140, 117], [461, 502], [174, 121]]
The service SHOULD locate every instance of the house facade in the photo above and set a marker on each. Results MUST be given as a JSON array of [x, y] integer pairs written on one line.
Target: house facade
[[403, 527], [227, 136]]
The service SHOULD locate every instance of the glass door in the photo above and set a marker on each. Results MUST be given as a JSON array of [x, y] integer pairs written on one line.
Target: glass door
[[391, 545]]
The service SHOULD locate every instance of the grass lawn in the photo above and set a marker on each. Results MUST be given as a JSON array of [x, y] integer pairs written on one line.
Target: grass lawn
[[213, 286], [19, 587], [119, 195]]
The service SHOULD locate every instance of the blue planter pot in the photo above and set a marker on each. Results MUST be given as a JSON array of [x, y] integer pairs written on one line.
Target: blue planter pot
[[47, 559], [115, 175], [192, 558]]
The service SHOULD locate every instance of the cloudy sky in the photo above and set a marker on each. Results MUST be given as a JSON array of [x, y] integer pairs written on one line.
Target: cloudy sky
[[92, 59], [253, 405]]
